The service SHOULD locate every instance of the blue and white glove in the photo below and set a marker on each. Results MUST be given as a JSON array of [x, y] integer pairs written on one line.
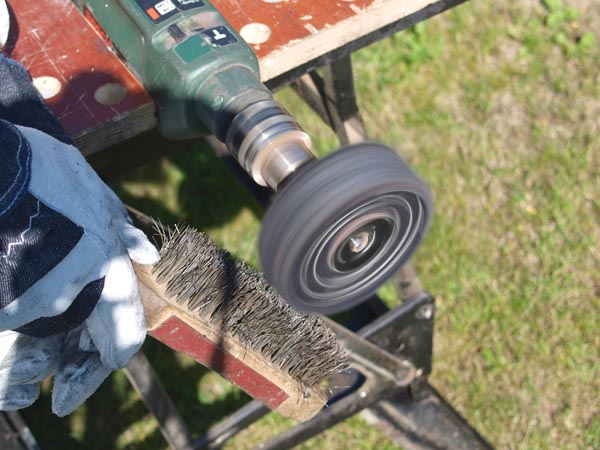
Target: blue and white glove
[[69, 301]]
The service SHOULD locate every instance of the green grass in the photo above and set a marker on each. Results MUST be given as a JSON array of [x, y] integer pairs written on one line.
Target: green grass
[[497, 106]]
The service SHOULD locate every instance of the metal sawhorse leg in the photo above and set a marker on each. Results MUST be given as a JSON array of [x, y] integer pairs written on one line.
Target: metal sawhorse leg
[[14, 433]]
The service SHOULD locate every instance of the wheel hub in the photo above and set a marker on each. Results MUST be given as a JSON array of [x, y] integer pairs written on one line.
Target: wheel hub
[[362, 245]]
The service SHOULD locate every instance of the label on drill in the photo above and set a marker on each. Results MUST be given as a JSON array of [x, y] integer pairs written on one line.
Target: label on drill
[[219, 36], [159, 10]]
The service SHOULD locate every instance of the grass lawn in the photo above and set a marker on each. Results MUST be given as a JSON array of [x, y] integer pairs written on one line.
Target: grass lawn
[[497, 106]]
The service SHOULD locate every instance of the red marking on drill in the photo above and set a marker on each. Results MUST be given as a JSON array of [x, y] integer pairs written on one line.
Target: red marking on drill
[[152, 13], [182, 337]]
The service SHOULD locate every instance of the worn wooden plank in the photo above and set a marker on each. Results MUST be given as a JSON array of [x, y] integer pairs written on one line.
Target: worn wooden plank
[[94, 96], [301, 31]]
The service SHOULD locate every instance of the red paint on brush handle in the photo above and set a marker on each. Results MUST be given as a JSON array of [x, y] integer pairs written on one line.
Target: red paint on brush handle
[[182, 337]]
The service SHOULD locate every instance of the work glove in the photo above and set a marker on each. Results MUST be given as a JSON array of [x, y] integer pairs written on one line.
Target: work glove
[[69, 301]]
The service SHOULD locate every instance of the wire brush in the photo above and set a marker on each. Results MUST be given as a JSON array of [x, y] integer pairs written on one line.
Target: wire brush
[[201, 301]]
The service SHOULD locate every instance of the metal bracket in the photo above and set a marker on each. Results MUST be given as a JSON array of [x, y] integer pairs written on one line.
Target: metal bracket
[[417, 417], [406, 332]]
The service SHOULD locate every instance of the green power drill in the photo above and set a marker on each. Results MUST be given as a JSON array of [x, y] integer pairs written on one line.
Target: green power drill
[[337, 228]]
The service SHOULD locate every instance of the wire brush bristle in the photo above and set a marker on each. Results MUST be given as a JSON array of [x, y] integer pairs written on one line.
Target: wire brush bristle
[[230, 295]]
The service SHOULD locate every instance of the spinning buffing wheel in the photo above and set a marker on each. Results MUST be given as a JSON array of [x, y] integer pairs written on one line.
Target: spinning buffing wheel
[[339, 227]]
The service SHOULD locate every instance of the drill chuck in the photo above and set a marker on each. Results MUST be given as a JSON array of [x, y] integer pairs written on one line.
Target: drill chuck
[[267, 142]]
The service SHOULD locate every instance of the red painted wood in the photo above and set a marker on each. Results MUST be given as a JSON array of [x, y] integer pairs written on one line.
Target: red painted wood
[[54, 39], [289, 20], [180, 336]]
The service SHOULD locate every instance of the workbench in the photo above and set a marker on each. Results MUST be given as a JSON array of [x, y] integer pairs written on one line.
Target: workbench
[[101, 105]]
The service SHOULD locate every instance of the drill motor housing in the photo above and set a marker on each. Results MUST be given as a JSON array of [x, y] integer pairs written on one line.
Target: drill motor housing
[[199, 71], [204, 79]]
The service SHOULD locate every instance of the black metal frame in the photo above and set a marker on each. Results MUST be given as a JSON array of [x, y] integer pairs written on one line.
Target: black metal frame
[[390, 358]]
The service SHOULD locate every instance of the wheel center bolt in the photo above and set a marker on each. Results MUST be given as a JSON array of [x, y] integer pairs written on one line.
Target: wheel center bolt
[[359, 241]]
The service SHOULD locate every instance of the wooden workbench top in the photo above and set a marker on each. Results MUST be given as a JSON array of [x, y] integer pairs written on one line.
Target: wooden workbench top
[[100, 103], [298, 31]]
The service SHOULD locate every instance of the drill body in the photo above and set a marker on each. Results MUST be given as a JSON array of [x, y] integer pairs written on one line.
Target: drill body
[[199, 71], [204, 79]]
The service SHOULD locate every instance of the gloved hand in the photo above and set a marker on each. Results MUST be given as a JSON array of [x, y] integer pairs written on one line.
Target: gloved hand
[[69, 302]]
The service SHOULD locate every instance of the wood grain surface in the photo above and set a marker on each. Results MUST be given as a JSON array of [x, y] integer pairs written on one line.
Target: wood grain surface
[[100, 103]]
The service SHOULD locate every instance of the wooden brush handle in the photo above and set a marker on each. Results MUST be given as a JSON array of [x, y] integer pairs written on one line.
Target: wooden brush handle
[[176, 327]]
